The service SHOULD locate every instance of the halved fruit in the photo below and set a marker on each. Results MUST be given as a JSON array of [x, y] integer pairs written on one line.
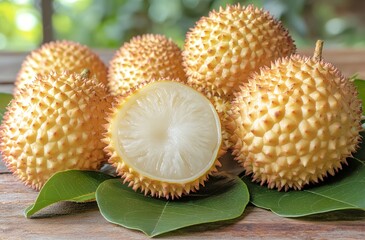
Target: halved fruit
[[164, 138]]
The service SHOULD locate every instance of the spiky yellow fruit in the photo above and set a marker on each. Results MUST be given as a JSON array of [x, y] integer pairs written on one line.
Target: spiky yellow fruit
[[145, 57], [295, 122], [223, 49], [59, 56], [164, 138], [54, 124]]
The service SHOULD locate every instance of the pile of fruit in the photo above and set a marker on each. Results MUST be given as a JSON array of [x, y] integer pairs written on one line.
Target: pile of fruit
[[163, 117]]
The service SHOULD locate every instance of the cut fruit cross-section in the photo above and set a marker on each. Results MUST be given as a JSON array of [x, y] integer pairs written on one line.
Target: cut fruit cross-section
[[164, 139]]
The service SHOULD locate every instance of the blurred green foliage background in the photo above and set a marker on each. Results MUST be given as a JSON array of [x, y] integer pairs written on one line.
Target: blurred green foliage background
[[107, 24]]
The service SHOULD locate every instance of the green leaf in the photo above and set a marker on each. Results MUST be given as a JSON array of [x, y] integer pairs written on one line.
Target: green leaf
[[69, 185], [360, 84], [221, 199], [344, 191], [4, 101]]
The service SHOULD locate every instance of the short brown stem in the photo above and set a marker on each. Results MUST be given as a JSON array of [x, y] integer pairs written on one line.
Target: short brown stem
[[85, 73], [318, 50]]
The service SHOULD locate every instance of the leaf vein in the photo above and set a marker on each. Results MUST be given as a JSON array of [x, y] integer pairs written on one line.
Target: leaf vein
[[333, 199], [159, 218], [209, 208]]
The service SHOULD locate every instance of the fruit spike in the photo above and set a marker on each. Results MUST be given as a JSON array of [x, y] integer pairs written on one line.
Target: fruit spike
[[163, 138], [54, 124], [295, 122]]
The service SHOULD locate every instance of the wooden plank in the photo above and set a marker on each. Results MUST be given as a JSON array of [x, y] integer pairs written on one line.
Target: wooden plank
[[6, 88], [9, 65], [3, 168], [79, 221]]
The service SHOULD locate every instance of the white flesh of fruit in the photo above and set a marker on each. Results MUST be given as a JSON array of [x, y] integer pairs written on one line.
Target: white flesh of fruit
[[168, 132]]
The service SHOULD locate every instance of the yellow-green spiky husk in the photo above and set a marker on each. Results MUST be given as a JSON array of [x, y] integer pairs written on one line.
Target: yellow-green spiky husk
[[223, 49], [295, 122], [148, 186], [59, 56], [54, 124], [145, 57]]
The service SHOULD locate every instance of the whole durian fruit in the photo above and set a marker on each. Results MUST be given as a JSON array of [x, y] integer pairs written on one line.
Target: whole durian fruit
[[295, 122], [59, 56], [54, 124], [164, 138], [144, 57], [223, 49]]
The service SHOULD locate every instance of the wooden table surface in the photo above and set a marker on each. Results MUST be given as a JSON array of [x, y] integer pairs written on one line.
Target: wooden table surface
[[83, 221]]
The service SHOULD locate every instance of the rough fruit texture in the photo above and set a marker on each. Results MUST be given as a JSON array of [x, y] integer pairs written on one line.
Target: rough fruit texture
[[222, 106], [143, 58], [59, 56], [223, 49], [295, 122], [164, 139], [52, 125]]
